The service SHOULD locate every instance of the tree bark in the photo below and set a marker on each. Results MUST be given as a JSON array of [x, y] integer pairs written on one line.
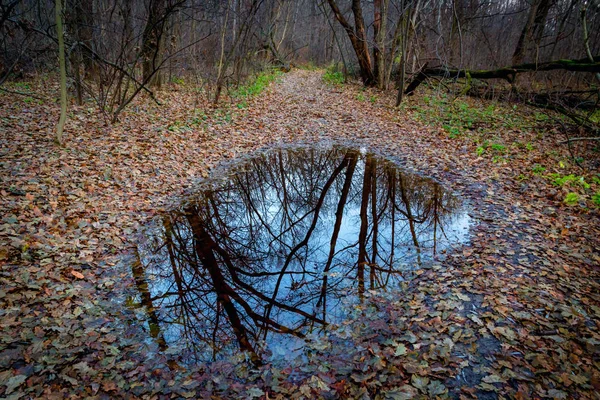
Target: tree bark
[[63, 73], [358, 38], [533, 29], [151, 40], [378, 49], [507, 73]]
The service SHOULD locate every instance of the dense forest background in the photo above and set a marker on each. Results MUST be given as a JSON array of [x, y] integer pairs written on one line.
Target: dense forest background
[[118, 48]]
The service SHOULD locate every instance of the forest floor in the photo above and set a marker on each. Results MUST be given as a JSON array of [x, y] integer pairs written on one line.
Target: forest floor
[[515, 313]]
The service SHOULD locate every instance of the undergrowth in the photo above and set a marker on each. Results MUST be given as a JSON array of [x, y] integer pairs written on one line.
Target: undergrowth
[[255, 86], [333, 76], [507, 134], [460, 117]]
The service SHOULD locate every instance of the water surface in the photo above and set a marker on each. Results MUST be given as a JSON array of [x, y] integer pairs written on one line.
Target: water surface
[[282, 246]]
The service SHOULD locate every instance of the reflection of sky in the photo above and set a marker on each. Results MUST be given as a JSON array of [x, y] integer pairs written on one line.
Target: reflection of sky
[[247, 218]]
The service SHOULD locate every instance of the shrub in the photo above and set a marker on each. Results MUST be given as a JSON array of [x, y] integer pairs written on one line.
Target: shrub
[[333, 76]]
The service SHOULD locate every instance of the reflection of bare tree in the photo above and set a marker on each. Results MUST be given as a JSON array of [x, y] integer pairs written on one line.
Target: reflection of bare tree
[[339, 214], [285, 239], [141, 285]]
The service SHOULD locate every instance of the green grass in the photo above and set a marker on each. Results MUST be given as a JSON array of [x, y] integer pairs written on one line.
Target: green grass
[[560, 180], [196, 120], [458, 117], [538, 169], [571, 199], [309, 66], [333, 76], [529, 146], [596, 198], [22, 85], [500, 148], [497, 149], [466, 118], [257, 85]]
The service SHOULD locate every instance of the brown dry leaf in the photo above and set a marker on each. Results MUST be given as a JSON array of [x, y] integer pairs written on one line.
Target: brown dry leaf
[[77, 275]]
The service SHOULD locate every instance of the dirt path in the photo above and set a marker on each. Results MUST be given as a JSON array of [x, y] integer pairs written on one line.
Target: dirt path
[[515, 313]]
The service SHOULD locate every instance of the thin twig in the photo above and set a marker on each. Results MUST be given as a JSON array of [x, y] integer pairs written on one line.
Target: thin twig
[[23, 94]]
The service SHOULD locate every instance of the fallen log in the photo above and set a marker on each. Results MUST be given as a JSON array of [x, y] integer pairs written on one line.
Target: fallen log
[[506, 73]]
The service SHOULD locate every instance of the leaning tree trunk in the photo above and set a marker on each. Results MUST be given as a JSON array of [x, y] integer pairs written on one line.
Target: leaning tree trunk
[[358, 38], [506, 73], [533, 29]]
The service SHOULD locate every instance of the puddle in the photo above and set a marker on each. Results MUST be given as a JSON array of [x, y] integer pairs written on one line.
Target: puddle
[[284, 245]]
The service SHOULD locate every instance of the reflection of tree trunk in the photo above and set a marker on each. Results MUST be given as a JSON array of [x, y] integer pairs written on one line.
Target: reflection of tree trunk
[[375, 223], [339, 213], [204, 251], [411, 219], [285, 201], [392, 179], [205, 248], [169, 244], [364, 224], [233, 271], [436, 198], [304, 241], [137, 269]]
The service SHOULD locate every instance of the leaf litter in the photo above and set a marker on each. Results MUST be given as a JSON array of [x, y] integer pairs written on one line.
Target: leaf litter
[[513, 314]]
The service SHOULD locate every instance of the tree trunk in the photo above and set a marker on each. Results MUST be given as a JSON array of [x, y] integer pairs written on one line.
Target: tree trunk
[[63, 73], [358, 38], [378, 38], [81, 19], [586, 38], [507, 73], [403, 59], [151, 40], [533, 29]]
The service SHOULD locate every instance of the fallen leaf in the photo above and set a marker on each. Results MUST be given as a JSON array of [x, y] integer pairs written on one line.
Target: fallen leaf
[[77, 275]]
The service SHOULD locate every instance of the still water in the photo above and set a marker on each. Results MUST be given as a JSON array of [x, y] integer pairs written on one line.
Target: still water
[[284, 246]]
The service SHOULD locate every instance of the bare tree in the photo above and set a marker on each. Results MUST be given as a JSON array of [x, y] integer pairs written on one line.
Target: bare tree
[[63, 73]]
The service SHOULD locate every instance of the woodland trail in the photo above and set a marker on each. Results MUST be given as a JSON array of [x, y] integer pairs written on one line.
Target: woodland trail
[[515, 313]]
